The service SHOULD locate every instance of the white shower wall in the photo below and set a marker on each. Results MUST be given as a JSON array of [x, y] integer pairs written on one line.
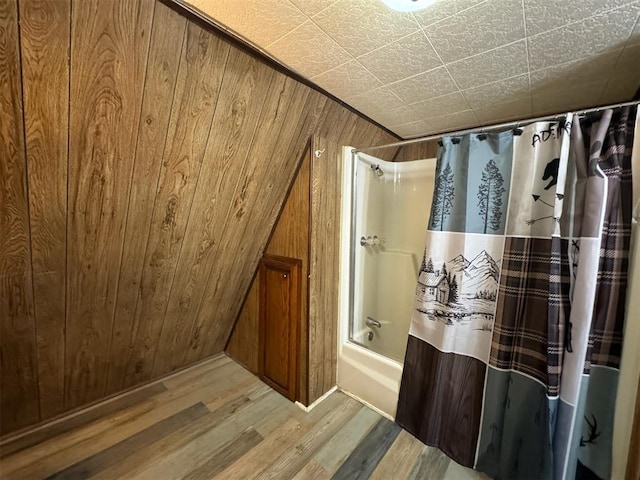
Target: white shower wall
[[394, 207]]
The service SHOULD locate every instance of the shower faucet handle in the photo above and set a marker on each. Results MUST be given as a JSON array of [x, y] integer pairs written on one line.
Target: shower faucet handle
[[371, 241], [372, 322]]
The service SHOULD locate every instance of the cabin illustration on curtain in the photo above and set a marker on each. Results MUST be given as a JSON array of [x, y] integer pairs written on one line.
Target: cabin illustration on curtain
[[462, 292], [433, 286]]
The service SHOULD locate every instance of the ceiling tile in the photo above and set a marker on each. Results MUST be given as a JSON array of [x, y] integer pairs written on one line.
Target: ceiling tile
[[401, 59], [412, 129], [451, 122], [584, 70], [312, 7], [475, 30], [634, 39], [505, 111], [392, 116], [504, 62], [347, 80], [259, 21], [498, 92], [594, 36], [376, 101], [437, 12], [572, 97], [309, 50], [434, 83], [446, 104], [361, 26], [544, 15]]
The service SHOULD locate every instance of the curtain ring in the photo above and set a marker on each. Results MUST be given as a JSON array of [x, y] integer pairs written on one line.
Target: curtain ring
[[517, 131], [482, 136]]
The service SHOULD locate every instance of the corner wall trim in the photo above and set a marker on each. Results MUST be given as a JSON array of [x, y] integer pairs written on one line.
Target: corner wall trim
[[367, 404], [318, 401]]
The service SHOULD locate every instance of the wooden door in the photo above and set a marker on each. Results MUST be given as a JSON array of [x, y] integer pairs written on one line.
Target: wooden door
[[279, 319]]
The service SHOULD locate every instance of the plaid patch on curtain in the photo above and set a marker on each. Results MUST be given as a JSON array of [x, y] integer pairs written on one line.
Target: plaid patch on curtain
[[605, 340], [532, 288]]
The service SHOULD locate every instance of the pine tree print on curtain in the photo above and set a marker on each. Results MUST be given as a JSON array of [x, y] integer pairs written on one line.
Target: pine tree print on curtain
[[508, 369], [451, 328], [490, 196]]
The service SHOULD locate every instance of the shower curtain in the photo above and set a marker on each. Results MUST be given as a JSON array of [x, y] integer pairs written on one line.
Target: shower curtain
[[515, 340]]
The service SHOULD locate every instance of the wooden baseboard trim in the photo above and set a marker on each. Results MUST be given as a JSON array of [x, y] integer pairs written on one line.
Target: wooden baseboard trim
[[65, 417], [318, 401]]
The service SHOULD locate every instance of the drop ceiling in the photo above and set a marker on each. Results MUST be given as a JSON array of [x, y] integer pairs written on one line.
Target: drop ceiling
[[457, 64]]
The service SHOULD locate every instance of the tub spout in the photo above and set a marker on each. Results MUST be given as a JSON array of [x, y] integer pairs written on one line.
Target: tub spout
[[372, 322]]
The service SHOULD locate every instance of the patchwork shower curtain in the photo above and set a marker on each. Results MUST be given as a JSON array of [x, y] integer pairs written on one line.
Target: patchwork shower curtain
[[515, 341]]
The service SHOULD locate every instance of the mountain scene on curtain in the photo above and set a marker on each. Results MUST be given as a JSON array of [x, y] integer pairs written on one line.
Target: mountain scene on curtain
[[461, 291]]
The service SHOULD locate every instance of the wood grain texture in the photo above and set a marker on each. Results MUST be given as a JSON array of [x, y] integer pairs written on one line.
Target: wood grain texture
[[19, 404], [400, 458], [199, 79], [417, 151], [234, 125], [109, 45], [243, 343], [323, 283], [44, 44], [138, 200], [290, 238], [337, 127], [225, 456], [116, 453], [364, 459], [253, 213], [280, 314], [168, 32], [334, 453], [83, 417], [424, 409], [431, 463], [246, 431]]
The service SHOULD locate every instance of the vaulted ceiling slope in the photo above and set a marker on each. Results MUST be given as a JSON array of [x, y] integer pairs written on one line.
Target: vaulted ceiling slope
[[457, 64]]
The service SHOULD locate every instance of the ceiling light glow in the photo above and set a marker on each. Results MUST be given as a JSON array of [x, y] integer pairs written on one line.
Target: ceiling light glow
[[408, 5]]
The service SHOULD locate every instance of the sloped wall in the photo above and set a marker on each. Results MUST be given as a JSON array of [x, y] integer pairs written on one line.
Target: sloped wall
[[144, 160]]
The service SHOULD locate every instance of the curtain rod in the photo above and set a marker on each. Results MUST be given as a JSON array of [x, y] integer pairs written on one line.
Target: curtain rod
[[497, 126]]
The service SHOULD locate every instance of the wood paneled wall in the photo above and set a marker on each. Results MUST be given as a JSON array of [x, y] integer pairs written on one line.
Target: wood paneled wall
[[417, 151], [289, 238], [143, 162]]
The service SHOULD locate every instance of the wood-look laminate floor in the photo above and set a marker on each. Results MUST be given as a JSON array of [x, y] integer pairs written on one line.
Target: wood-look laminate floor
[[219, 421]]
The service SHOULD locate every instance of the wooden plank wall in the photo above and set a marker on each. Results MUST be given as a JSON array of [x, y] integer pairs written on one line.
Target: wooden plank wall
[[417, 151], [290, 238], [145, 160], [308, 228]]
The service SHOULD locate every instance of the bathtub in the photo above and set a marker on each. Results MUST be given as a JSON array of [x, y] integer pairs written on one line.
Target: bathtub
[[377, 281]]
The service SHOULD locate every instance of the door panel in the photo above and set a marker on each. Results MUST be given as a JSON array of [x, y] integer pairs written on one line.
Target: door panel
[[279, 317]]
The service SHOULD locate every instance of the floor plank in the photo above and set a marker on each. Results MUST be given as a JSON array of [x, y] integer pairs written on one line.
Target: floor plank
[[398, 463], [338, 449], [114, 454], [83, 418], [431, 463], [366, 456], [226, 455], [218, 421]]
